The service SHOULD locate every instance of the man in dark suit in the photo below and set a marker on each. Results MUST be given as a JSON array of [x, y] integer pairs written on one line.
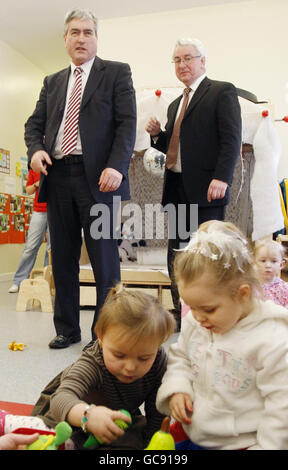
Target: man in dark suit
[[200, 169], [81, 137]]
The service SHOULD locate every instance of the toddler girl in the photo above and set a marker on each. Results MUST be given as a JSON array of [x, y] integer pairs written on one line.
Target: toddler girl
[[269, 260], [122, 370], [226, 378]]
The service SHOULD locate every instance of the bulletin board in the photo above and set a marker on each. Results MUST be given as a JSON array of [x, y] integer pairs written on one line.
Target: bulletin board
[[4, 161], [15, 215]]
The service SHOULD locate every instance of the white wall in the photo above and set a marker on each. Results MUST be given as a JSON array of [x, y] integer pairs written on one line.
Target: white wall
[[246, 44], [19, 88]]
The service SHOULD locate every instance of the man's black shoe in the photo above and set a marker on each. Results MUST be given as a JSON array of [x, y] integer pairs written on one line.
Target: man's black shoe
[[61, 342]]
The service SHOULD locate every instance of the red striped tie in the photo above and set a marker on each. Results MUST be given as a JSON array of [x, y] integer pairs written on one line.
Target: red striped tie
[[72, 116]]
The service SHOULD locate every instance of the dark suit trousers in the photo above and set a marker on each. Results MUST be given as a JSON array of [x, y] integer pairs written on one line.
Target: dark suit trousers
[[69, 203], [176, 195]]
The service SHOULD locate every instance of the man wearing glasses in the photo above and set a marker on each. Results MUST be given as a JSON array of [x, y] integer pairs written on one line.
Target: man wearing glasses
[[202, 141]]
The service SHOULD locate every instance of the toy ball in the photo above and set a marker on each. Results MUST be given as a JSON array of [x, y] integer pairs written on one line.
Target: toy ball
[[154, 162]]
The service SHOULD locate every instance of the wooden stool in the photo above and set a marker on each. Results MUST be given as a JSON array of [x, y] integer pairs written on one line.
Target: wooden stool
[[34, 289], [45, 273]]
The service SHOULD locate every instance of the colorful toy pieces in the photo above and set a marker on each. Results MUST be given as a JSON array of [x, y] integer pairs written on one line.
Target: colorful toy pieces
[[162, 440], [51, 441], [93, 442]]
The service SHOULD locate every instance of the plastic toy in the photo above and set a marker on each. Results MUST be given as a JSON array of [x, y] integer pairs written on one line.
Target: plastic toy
[[16, 346], [51, 441], [162, 440], [93, 442], [178, 432]]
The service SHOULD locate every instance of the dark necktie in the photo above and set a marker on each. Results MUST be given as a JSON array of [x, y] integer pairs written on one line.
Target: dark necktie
[[69, 141], [172, 153]]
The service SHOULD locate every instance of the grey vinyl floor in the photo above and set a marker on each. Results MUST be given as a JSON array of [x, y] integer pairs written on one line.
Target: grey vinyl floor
[[23, 374]]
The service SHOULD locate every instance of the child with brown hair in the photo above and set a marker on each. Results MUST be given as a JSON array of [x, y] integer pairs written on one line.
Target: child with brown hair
[[122, 370], [226, 378]]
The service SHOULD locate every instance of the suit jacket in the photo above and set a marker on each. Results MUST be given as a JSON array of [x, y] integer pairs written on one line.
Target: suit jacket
[[210, 141], [107, 123]]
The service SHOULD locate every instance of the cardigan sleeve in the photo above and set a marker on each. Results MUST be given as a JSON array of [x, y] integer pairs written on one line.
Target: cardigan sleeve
[[76, 382], [177, 378]]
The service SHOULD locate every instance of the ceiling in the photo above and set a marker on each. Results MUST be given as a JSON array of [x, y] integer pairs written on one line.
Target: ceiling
[[35, 27]]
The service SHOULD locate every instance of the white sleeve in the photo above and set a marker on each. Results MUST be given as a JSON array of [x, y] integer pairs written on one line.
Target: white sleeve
[[272, 433], [177, 378]]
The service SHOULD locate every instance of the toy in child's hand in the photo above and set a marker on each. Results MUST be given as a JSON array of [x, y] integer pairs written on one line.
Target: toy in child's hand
[[52, 442], [162, 440], [93, 442]]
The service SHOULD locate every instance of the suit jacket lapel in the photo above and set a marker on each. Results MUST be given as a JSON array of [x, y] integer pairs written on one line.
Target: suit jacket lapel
[[172, 113], [61, 89], [94, 79], [198, 95]]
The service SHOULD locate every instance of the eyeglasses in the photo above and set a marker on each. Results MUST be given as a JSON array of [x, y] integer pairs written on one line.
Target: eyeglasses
[[187, 60]]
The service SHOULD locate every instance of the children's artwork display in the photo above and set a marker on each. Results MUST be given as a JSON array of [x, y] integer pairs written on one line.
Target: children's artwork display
[[15, 215], [4, 161]]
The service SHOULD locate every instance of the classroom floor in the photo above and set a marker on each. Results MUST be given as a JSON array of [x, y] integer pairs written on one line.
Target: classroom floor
[[25, 373]]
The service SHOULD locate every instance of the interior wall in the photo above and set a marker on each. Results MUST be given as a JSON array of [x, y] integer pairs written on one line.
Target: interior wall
[[19, 89]]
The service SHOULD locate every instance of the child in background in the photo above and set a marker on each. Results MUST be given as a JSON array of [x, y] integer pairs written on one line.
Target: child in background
[[122, 370], [226, 378], [269, 260]]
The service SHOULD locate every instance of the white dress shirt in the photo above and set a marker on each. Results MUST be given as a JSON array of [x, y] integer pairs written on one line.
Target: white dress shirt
[[85, 74]]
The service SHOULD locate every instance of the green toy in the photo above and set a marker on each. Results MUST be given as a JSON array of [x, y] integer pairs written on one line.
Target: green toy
[[162, 440], [51, 442], [93, 442]]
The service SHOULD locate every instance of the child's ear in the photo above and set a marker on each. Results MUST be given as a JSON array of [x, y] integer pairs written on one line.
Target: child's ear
[[244, 293], [100, 338], [283, 262]]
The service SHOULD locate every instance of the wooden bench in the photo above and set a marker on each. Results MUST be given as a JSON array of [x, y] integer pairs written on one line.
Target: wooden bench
[[136, 276]]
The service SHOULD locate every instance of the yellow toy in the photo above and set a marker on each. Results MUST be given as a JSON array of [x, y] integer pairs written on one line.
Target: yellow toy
[[162, 440], [52, 442], [16, 346]]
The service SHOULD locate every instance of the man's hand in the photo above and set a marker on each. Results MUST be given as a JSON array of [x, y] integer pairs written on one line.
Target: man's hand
[[181, 407], [153, 127], [110, 180], [216, 190], [39, 162]]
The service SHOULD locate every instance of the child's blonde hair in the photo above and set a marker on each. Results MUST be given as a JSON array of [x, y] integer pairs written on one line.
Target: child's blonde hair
[[272, 247], [219, 248], [141, 314]]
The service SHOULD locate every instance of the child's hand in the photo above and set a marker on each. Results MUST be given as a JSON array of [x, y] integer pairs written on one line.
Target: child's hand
[[16, 441], [181, 407], [101, 423]]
